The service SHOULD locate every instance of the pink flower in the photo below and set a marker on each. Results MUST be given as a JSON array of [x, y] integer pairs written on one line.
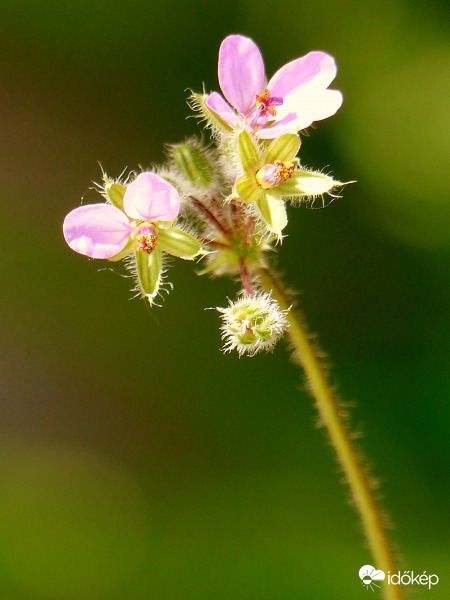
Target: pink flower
[[103, 230], [295, 97]]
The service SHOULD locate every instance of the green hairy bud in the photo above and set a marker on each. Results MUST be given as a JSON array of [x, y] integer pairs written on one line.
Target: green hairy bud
[[194, 164], [254, 322]]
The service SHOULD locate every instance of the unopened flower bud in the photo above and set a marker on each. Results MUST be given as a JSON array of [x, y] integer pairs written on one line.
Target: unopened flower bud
[[270, 176], [194, 163], [115, 192], [254, 322]]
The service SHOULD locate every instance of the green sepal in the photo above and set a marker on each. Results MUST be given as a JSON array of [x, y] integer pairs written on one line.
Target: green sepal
[[272, 211], [247, 188], [115, 192], [307, 183], [216, 265], [149, 271], [248, 151], [165, 224], [284, 148], [194, 164], [176, 242], [198, 103]]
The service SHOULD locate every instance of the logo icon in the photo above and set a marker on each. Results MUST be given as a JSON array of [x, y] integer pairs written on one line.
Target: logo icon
[[369, 575]]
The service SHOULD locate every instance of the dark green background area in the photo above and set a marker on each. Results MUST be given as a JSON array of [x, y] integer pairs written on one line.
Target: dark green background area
[[136, 460]]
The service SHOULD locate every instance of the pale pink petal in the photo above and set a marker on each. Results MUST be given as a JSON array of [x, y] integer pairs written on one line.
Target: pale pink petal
[[217, 104], [97, 230], [152, 198], [313, 105], [241, 71], [316, 69], [286, 125]]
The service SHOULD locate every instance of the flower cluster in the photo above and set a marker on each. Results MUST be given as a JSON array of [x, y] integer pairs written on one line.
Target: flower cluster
[[224, 203]]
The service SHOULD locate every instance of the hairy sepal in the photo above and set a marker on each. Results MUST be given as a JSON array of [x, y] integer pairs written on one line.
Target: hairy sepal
[[115, 192], [307, 183], [272, 211], [247, 189], [284, 148], [197, 103], [149, 271], [178, 243], [248, 151]]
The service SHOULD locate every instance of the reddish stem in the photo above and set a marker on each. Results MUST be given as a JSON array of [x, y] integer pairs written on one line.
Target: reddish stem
[[211, 217], [220, 213], [245, 276], [238, 214], [249, 230]]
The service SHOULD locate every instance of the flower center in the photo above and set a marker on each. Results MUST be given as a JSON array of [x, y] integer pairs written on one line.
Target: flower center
[[284, 170], [266, 104], [146, 239], [272, 175], [243, 326]]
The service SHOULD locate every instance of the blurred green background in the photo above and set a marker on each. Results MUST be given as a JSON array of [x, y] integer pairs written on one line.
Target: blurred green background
[[139, 462]]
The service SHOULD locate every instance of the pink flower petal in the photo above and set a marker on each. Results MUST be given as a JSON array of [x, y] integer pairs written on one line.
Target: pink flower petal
[[286, 125], [241, 71], [313, 105], [97, 230], [316, 69], [218, 105], [152, 198]]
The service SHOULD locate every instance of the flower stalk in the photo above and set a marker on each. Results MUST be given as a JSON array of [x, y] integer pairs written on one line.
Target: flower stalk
[[212, 217], [355, 473], [245, 276]]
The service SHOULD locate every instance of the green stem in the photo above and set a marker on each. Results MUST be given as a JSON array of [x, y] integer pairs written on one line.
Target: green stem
[[355, 472]]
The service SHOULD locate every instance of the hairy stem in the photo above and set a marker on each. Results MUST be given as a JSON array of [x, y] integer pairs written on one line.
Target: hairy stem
[[245, 276], [211, 217], [238, 214], [250, 225], [348, 458], [218, 210]]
